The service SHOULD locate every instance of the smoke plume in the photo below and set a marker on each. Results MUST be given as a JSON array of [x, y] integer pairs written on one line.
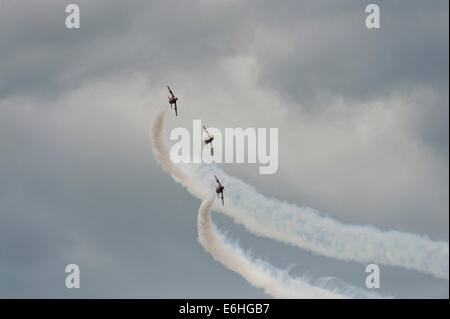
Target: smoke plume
[[303, 226]]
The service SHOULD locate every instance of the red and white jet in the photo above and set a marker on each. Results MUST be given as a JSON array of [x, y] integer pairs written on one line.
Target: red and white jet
[[219, 189], [172, 100]]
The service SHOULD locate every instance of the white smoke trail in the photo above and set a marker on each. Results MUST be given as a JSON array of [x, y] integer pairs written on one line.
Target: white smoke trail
[[163, 157], [303, 226], [274, 281], [260, 274], [306, 228]]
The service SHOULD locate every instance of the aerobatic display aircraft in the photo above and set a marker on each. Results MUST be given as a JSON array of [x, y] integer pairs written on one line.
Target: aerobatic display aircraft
[[172, 100], [208, 140], [219, 189]]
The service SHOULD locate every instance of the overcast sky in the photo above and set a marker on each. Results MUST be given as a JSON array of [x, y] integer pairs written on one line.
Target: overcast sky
[[363, 122]]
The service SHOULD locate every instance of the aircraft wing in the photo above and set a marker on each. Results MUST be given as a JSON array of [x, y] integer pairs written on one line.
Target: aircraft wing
[[170, 91], [206, 131]]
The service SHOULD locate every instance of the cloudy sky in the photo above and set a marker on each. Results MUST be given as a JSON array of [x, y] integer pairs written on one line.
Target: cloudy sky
[[363, 122]]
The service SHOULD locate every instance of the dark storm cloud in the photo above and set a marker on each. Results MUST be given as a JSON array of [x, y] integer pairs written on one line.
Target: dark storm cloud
[[78, 182], [331, 53], [116, 38], [334, 54]]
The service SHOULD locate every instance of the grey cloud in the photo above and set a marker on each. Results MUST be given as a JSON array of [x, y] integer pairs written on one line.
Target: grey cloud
[[78, 182]]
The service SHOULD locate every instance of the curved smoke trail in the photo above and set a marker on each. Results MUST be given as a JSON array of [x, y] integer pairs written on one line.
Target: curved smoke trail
[[275, 282], [260, 274], [303, 226]]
